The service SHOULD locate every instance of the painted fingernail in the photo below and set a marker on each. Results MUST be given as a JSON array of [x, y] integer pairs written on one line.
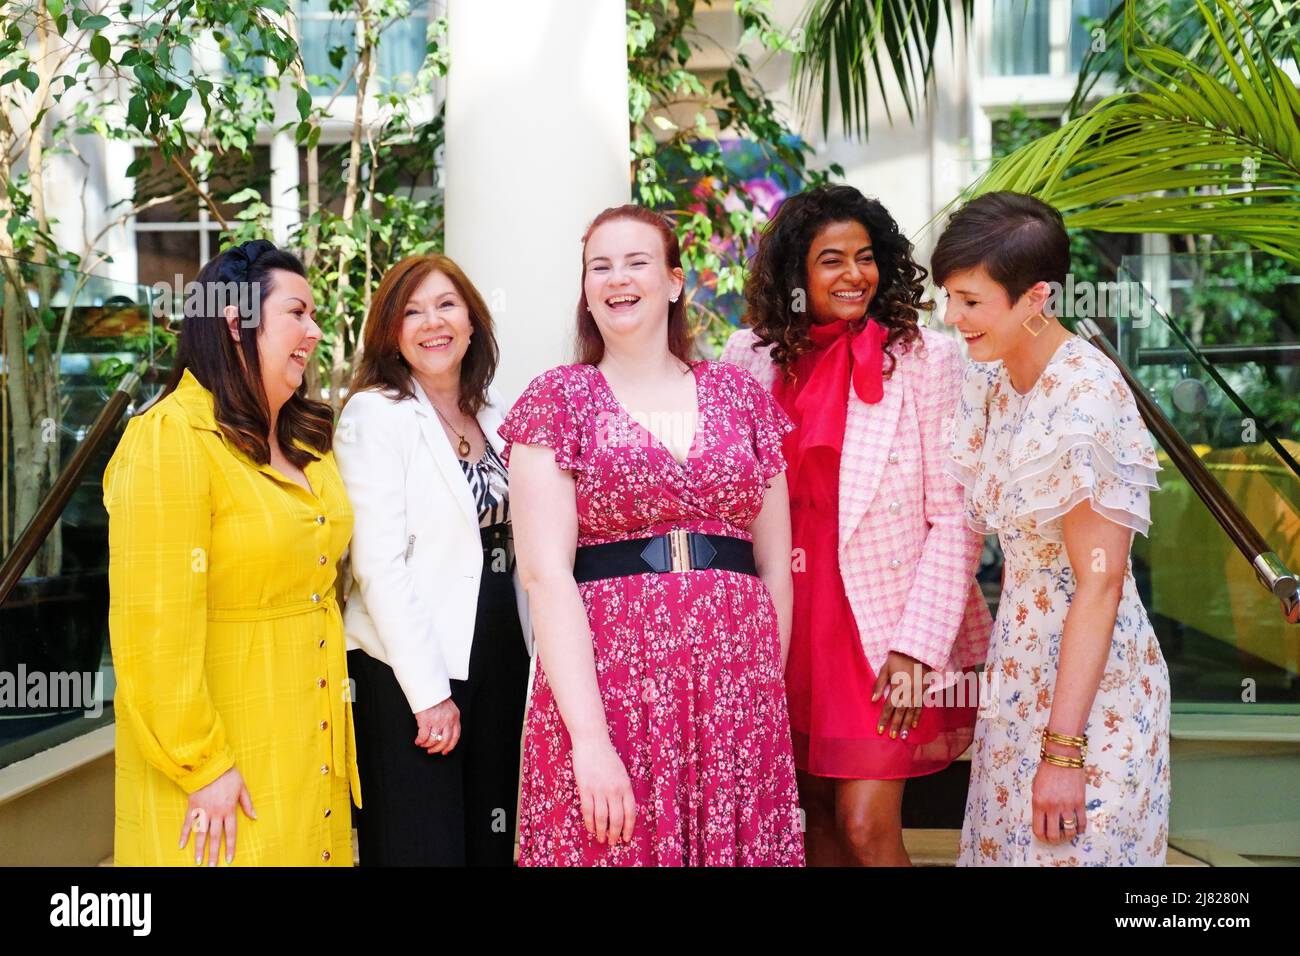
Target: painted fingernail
[[893, 734], [880, 728], [904, 735]]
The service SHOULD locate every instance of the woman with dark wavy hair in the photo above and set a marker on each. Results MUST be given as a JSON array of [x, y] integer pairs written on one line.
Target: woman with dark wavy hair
[[227, 518], [886, 609]]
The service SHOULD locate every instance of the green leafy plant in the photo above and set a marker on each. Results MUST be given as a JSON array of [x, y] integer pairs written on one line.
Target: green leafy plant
[[681, 118], [1194, 148]]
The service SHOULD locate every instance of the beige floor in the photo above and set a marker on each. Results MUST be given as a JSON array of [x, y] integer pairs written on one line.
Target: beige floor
[[926, 848]]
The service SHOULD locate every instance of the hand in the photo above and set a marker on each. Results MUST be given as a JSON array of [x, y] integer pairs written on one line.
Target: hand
[[1058, 795], [211, 815], [900, 682], [608, 807], [439, 727]]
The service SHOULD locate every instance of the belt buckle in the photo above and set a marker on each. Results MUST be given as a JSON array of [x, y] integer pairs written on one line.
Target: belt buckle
[[679, 549]]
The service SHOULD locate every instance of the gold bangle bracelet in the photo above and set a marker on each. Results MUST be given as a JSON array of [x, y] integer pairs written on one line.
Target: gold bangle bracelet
[[1073, 763], [1065, 740]]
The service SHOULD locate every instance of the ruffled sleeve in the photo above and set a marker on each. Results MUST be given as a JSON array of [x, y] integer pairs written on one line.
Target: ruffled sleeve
[[769, 420], [1081, 439], [544, 415], [967, 430]]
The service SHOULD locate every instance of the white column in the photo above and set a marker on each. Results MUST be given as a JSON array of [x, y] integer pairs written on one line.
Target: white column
[[537, 144], [285, 210]]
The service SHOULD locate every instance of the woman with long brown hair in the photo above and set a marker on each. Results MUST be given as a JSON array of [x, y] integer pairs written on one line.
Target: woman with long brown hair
[[653, 533], [885, 602], [227, 519], [436, 643]]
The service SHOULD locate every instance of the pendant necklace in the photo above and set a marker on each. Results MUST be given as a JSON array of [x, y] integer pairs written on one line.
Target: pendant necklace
[[463, 446]]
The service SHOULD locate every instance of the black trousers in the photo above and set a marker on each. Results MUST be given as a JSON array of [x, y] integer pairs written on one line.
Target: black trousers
[[454, 809]]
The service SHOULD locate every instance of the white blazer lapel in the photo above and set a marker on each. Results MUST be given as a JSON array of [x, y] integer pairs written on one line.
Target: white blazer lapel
[[448, 465], [868, 435]]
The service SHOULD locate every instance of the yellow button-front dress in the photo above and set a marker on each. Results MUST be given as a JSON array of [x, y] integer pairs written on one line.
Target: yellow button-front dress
[[227, 641]]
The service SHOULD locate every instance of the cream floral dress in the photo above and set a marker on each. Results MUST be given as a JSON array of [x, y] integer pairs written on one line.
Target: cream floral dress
[[1025, 461]]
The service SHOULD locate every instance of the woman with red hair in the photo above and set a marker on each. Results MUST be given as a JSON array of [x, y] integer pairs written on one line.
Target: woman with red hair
[[653, 537]]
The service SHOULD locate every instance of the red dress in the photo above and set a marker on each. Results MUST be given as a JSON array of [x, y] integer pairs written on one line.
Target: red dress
[[829, 680], [688, 664]]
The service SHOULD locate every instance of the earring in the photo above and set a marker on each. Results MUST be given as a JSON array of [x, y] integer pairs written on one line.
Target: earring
[[1035, 331], [672, 299]]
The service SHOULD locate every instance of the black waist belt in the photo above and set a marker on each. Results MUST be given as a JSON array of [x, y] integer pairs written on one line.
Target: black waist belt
[[677, 550]]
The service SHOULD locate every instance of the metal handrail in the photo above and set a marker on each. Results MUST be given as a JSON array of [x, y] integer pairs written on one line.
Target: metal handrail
[[33, 536], [1269, 568]]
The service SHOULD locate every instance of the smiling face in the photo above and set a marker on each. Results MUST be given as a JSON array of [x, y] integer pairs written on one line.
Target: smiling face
[[980, 309], [436, 329], [842, 272], [287, 334], [626, 277]]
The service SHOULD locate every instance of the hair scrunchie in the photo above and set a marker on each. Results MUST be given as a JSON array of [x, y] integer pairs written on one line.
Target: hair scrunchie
[[237, 260]]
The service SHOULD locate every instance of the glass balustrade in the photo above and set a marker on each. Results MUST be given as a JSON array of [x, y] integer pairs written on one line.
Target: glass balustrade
[[69, 337]]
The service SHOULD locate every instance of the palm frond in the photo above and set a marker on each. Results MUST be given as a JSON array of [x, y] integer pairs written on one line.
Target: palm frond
[[846, 41], [1196, 149]]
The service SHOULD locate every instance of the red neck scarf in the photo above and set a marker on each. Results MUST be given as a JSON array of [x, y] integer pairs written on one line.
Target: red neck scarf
[[817, 400]]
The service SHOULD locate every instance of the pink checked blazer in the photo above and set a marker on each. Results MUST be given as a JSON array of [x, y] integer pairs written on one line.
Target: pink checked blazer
[[907, 556]]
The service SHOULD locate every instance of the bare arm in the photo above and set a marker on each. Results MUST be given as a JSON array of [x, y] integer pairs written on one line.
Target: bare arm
[[1098, 551], [544, 516], [771, 532]]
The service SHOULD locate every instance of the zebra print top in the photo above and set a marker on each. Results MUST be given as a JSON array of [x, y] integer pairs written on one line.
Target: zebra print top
[[488, 485]]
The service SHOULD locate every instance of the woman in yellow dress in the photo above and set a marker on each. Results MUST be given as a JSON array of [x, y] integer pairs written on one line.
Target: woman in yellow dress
[[227, 518]]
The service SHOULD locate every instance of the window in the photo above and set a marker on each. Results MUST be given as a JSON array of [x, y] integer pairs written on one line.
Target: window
[[177, 236], [1042, 37], [1085, 17], [402, 46], [407, 171], [1020, 41]]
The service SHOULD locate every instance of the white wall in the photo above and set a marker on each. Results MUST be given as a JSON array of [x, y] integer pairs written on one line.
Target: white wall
[[537, 145]]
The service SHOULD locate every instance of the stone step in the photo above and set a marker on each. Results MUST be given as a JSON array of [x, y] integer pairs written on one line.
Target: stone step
[[930, 848], [939, 848]]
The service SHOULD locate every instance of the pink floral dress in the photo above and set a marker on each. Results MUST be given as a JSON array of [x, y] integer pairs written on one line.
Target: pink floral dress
[[1025, 461], [689, 663]]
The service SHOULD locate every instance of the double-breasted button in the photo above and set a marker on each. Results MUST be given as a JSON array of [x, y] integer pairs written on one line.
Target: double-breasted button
[[324, 769], [325, 856], [315, 599], [320, 519], [328, 811], [322, 642], [894, 506], [321, 682], [895, 564], [893, 458], [323, 559], [324, 725]]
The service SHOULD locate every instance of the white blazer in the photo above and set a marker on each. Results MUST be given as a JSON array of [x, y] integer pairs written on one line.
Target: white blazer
[[416, 552]]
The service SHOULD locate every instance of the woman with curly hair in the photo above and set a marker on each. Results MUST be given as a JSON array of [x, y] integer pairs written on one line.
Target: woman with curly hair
[[886, 609]]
